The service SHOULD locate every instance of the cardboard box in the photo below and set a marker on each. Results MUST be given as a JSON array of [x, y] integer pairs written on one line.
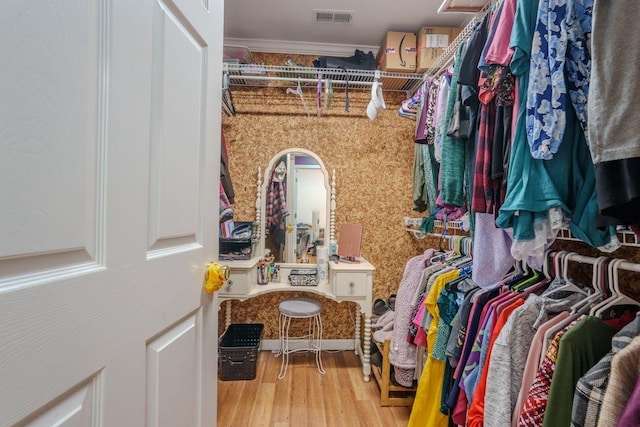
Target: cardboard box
[[398, 52], [432, 41]]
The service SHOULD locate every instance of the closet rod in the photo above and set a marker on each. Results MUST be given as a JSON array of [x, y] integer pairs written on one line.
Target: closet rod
[[295, 79], [447, 57], [624, 265]]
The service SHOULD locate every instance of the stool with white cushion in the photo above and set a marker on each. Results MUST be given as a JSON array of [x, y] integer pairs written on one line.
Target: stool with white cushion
[[300, 308]]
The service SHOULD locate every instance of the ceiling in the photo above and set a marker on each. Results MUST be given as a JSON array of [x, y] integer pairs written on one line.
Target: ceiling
[[289, 26]]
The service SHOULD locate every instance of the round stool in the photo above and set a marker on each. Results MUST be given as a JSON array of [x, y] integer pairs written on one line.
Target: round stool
[[300, 308]]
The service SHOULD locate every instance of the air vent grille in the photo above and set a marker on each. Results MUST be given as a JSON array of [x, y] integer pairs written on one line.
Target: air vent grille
[[334, 16]]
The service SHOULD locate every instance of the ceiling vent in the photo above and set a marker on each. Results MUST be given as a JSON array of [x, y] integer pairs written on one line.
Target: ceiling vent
[[334, 16]]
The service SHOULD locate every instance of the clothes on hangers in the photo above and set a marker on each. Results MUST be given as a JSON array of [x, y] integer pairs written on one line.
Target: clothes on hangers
[[495, 377], [225, 173], [488, 168], [591, 388], [612, 101]]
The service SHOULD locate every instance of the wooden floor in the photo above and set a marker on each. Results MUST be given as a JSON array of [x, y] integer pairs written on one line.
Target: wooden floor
[[305, 397]]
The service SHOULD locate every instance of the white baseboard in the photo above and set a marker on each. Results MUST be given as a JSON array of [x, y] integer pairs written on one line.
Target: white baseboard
[[274, 345]]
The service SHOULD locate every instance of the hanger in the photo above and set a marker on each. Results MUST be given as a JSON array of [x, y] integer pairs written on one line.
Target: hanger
[[298, 91], [568, 286], [319, 96], [545, 264], [607, 287], [583, 305], [328, 93], [346, 94], [620, 298], [227, 100], [531, 277]]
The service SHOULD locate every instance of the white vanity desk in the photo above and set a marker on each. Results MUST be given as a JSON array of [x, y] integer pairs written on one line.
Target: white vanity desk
[[300, 177], [347, 282]]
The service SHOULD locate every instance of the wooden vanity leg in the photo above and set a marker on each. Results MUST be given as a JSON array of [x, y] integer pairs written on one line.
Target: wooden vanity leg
[[366, 365], [227, 319]]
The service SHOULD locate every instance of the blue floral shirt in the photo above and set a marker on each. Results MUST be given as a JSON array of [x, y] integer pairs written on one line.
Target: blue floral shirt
[[561, 42]]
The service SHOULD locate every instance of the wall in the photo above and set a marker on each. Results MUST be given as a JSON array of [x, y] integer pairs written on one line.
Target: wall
[[374, 171], [374, 175]]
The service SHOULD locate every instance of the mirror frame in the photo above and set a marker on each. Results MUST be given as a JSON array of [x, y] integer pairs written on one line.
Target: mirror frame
[[261, 193]]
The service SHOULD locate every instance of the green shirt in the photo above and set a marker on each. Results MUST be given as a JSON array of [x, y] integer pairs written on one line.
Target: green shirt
[[580, 349]]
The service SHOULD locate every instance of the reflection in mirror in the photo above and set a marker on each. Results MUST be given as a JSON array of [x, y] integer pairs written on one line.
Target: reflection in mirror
[[295, 207]]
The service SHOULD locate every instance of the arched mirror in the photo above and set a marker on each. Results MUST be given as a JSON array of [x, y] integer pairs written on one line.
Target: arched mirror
[[295, 206]]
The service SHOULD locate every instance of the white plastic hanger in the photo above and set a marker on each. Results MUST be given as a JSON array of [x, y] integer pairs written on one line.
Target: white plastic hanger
[[618, 298], [545, 265], [568, 285], [583, 305], [298, 91], [610, 291]]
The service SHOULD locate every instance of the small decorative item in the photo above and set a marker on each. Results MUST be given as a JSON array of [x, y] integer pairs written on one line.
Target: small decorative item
[[274, 272], [263, 272], [303, 277]]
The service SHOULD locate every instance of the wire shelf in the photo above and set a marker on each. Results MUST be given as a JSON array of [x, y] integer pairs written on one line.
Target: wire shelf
[[285, 76], [626, 237]]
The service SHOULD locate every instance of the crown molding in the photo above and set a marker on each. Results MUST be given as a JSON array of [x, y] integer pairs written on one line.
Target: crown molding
[[298, 48]]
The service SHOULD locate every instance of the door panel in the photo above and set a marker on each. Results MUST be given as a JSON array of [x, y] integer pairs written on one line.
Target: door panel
[[172, 375], [50, 134], [179, 70], [109, 169], [78, 408]]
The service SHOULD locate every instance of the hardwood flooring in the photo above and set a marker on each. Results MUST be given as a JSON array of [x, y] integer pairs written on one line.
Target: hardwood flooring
[[305, 397]]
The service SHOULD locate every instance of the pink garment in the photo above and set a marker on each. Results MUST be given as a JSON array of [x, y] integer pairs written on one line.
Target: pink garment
[[499, 51], [417, 320], [459, 414], [533, 363], [452, 213], [421, 338]]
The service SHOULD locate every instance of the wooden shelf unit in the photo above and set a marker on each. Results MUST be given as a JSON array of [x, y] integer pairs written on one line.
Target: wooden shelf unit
[[390, 394]]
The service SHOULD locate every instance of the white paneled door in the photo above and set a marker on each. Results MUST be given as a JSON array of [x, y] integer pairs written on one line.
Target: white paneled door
[[109, 172]]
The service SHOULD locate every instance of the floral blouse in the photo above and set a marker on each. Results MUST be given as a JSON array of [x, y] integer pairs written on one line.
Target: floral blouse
[[561, 44]]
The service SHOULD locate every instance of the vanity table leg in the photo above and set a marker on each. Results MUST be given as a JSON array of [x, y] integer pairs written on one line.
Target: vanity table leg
[[227, 319], [366, 364], [356, 338]]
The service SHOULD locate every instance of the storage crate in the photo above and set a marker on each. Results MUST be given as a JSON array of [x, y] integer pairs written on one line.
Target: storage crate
[[238, 351]]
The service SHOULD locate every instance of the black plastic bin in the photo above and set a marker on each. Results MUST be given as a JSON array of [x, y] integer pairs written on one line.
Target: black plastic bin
[[239, 245], [238, 351]]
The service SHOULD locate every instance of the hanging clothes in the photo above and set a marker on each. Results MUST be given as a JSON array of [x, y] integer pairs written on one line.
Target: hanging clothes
[[225, 174], [532, 414], [426, 407], [276, 206], [580, 349], [509, 355], [452, 165], [402, 354], [625, 372], [612, 105], [591, 388]]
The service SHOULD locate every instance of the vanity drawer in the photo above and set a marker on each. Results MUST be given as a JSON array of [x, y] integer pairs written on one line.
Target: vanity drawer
[[351, 284], [238, 283]]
